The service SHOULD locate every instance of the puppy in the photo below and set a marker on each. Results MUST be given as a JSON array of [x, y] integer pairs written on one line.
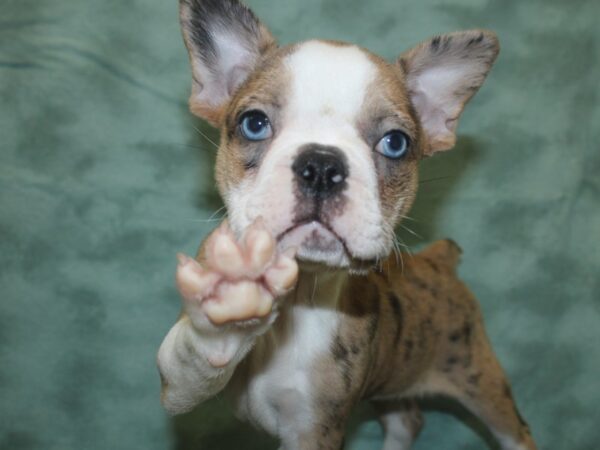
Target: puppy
[[294, 306]]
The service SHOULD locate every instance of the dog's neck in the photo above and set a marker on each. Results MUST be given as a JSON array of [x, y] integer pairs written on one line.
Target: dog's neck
[[319, 287]]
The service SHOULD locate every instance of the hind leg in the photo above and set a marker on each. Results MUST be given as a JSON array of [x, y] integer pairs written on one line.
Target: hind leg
[[472, 374], [494, 405], [401, 421]]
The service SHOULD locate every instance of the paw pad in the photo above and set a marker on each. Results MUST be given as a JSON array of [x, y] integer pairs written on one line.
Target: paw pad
[[237, 281]]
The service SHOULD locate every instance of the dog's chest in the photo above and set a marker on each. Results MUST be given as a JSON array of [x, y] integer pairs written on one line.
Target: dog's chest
[[279, 391]]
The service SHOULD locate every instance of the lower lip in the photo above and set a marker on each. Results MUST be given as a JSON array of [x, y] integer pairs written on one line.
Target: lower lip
[[314, 234]]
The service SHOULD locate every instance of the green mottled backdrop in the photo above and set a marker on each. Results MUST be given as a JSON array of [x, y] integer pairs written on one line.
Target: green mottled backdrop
[[103, 178]]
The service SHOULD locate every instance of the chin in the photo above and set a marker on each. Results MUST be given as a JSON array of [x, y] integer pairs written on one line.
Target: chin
[[319, 247], [316, 244], [309, 258]]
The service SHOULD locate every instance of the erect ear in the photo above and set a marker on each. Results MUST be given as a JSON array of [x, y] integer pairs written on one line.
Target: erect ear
[[442, 74], [225, 42]]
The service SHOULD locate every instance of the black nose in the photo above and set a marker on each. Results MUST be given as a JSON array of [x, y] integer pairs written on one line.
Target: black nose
[[320, 170]]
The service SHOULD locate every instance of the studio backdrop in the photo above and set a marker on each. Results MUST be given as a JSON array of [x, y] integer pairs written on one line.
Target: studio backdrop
[[105, 176]]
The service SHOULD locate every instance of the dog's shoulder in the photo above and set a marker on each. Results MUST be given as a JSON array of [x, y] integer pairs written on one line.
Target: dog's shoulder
[[438, 260], [442, 255]]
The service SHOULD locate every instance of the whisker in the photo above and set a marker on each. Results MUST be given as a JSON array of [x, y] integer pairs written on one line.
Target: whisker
[[217, 212], [312, 297], [378, 264], [401, 244], [217, 219], [205, 136], [407, 248], [184, 219], [212, 217], [429, 180], [408, 218], [194, 147], [396, 251], [401, 260], [414, 233]]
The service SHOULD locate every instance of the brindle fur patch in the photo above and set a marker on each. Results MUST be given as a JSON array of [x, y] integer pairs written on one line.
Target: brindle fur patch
[[458, 361]]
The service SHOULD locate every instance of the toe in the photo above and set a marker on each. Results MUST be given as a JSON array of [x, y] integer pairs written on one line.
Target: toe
[[224, 254], [239, 301], [260, 248], [192, 280], [282, 276]]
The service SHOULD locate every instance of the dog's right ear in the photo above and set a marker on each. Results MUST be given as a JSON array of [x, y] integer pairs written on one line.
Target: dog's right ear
[[225, 42]]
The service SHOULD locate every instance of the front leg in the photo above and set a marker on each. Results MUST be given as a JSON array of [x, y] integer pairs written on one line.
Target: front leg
[[228, 300], [328, 434]]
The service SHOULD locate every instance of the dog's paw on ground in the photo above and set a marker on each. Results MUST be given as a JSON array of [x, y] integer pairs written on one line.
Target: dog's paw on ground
[[237, 281]]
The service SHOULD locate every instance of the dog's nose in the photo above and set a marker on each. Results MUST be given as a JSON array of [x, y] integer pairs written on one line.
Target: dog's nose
[[320, 170]]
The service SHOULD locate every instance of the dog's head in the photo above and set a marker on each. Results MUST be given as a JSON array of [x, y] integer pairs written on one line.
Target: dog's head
[[322, 139]]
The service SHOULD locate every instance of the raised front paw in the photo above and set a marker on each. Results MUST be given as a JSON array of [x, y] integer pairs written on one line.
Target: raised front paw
[[235, 281]]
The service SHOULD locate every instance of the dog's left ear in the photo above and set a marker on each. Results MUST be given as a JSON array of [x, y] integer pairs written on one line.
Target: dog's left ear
[[225, 42], [442, 74]]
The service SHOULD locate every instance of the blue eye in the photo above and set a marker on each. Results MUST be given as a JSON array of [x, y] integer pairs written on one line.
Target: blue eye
[[394, 144], [255, 126]]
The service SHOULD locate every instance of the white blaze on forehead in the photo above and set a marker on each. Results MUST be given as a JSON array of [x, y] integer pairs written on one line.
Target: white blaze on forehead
[[328, 80]]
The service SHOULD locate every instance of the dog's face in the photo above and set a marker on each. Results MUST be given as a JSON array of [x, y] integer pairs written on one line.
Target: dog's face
[[322, 145], [321, 139]]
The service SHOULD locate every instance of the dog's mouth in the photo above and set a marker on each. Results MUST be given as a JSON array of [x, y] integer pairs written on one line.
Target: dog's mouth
[[316, 241], [313, 234]]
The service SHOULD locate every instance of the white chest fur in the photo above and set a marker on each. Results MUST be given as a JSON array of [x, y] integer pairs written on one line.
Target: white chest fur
[[278, 394]]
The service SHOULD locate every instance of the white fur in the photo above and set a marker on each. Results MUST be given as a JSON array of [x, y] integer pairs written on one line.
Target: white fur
[[328, 247], [328, 81], [279, 395], [508, 443], [326, 94], [183, 365], [398, 436]]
